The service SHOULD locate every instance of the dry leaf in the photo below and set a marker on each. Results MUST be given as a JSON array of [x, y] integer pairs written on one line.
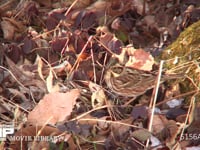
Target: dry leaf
[[141, 134], [139, 6], [40, 66], [54, 107], [20, 76], [49, 83], [8, 30], [108, 40], [139, 59], [119, 130], [24, 78], [10, 27], [158, 123], [171, 130], [65, 66], [47, 3], [139, 112], [98, 96]]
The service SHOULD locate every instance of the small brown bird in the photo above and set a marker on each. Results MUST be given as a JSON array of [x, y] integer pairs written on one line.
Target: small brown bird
[[130, 82]]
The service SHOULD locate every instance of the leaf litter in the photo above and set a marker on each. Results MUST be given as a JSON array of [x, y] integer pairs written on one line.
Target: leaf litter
[[53, 57]]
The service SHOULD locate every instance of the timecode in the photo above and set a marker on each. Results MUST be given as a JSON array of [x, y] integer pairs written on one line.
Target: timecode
[[190, 136]]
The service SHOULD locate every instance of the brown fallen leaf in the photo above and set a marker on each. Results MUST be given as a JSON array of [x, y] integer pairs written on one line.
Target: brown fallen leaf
[[54, 107], [158, 123], [141, 135], [119, 130], [22, 78], [8, 30], [139, 59], [10, 27], [108, 40]]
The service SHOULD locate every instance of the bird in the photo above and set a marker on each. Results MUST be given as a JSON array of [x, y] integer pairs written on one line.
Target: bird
[[131, 82]]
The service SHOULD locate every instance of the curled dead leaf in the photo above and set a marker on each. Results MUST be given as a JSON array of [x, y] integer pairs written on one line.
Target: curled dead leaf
[[98, 96], [49, 83], [139, 59]]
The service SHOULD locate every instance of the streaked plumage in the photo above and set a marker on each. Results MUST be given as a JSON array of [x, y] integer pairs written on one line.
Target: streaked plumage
[[126, 81]]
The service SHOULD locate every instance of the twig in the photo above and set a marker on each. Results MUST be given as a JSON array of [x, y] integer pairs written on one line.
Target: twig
[[86, 113], [154, 98], [190, 110], [13, 76], [104, 46], [177, 97], [93, 65], [110, 121], [72, 5], [155, 90], [78, 58], [9, 101]]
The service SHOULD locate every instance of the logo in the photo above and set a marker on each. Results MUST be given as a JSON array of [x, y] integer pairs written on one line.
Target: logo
[[6, 130]]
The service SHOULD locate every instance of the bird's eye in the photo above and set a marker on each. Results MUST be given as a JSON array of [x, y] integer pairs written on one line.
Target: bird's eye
[[117, 70]]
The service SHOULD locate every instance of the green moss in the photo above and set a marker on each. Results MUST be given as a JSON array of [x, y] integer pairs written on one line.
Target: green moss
[[183, 56], [186, 43]]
